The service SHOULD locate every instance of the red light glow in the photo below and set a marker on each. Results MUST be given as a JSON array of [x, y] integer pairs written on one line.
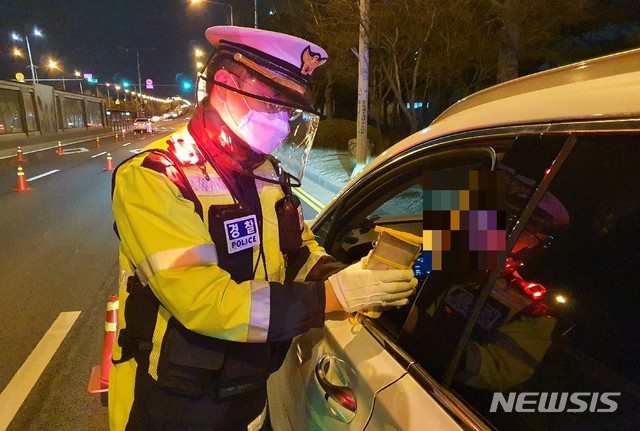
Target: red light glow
[[348, 401], [531, 289]]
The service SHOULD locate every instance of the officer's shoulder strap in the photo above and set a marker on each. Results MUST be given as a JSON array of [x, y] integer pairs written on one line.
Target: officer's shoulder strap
[[179, 178]]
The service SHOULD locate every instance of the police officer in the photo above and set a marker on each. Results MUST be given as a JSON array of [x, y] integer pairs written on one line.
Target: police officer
[[218, 269]]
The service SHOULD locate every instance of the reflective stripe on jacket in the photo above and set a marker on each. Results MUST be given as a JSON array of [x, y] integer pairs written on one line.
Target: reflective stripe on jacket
[[173, 252], [512, 357]]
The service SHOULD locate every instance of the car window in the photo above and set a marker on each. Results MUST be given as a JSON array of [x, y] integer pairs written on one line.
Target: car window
[[406, 202], [561, 318], [392, 197], [427, 329]]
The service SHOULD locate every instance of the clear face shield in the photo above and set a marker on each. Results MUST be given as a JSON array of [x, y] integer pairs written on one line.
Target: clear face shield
[[276, 125], [283, 131]]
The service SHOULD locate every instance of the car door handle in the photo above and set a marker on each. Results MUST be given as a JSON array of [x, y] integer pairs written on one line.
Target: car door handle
[[333, 379]]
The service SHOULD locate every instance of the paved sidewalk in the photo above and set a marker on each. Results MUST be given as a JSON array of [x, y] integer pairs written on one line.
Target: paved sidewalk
[[329, 169]]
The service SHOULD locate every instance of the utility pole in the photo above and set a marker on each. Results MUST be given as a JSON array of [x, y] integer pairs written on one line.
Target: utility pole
[[137, 50], [34, 76], [363, 89], [139, 80]]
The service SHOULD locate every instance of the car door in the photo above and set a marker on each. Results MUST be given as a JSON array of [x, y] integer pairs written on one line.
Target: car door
[[573, 195], [575, 241], [573, 217], [338, 377]]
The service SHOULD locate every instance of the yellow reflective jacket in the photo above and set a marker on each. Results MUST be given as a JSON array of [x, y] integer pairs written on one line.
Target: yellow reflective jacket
[[166, 243], [512, 351], [512, 357]]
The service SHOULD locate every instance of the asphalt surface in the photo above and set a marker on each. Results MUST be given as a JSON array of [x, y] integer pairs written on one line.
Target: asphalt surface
[[58, 257]]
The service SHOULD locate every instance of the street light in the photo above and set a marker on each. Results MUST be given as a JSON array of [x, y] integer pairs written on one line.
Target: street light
[[218, 3], [198, 53], [79, 75], [136, 102], [108, 95], [53, 65], [15, 36]]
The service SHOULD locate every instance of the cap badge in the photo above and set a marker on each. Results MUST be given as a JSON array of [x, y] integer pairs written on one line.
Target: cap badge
[[310, 60]]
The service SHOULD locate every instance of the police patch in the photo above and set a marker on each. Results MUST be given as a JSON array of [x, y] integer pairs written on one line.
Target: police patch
[[241, 233]]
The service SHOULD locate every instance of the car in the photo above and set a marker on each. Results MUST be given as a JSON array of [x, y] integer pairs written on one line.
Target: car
[[465, 353], [142, 125]]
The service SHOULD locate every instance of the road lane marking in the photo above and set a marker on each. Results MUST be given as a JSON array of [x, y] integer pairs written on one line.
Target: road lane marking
[[37, 177], [99, 154], [21, 384], [309, 196], [315, 204], [128, 143], [75, 150]]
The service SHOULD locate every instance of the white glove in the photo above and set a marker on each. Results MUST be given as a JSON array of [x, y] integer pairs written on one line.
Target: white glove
[[357, 288], [361, 264]]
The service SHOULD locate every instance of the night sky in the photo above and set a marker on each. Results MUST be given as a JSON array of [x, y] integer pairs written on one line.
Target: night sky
[[97, 36]]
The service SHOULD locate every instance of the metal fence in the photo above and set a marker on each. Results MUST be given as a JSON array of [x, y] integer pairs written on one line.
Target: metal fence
[[28, 110]]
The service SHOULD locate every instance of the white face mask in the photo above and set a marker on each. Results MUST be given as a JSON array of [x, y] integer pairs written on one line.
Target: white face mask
[[264, 131]]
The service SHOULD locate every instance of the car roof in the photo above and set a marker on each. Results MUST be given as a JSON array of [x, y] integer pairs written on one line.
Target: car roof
[[600, 88]]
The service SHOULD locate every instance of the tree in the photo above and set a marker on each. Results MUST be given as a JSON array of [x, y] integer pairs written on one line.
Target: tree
[[428, 53], [528, 29], [427, 49], [326, 23]]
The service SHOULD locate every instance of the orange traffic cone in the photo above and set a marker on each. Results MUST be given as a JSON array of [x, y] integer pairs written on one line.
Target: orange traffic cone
[[97, 142], [22, 181], [20, 155], [60, 151], [109, 166], [99, 377]]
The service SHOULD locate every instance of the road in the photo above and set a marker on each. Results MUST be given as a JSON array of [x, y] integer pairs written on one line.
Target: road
[[58, 265]]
